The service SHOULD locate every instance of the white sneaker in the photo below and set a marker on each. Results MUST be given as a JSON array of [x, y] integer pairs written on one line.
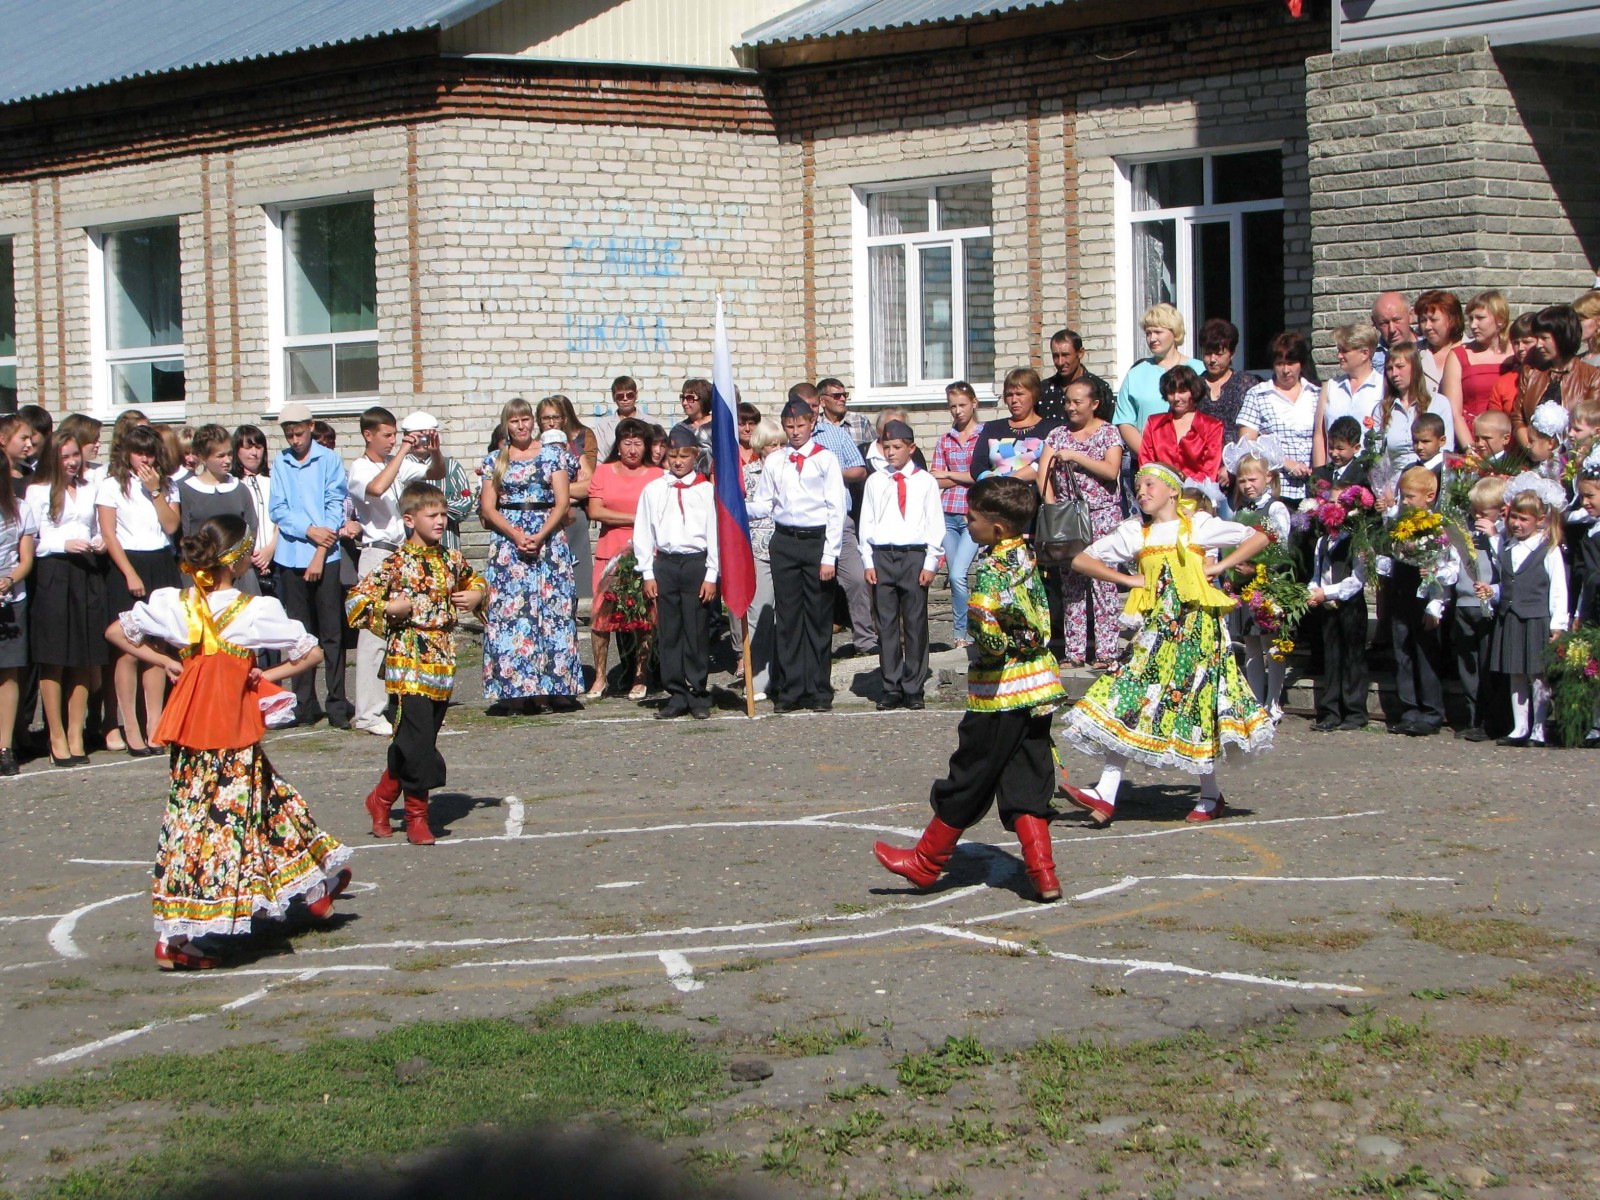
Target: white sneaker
[[377, 727]]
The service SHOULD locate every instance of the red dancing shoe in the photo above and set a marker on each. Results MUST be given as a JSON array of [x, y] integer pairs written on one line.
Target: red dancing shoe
[[922, 863], [416, 819], [1099, 811], [183, 957], [322, 907], [1197, 815], [1034, 834], [379, 801]]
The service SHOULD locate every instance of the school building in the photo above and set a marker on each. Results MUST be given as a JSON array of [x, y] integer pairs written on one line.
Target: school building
[[207, 211]]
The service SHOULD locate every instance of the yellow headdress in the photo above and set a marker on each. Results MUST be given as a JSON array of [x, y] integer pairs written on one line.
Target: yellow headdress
[[205, 578]]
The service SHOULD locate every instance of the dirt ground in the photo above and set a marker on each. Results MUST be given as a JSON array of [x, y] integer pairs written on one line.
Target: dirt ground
[[1375, 979]]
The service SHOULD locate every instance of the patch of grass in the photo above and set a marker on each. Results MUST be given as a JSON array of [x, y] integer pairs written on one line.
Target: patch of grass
[[845, 909], [552, 1012], [746, 964], [936, 1071], [258, 1109], [1273, 940], [808, 1043], [1401, 1185], [67, 983], [850, 1095], [1479, 935]]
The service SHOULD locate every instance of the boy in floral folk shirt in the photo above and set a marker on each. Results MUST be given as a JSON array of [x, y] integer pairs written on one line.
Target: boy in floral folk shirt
[[1003, 750], [411, 600]]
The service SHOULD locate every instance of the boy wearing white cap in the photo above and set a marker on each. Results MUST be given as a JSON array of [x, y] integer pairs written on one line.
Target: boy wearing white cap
[[375, 481]]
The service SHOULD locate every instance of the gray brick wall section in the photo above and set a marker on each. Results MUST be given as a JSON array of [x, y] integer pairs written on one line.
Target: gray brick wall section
[[1448, 164]]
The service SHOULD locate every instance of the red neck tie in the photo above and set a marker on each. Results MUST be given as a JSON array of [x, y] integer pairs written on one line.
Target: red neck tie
[[799, 461], [900, 491], [681, 488]]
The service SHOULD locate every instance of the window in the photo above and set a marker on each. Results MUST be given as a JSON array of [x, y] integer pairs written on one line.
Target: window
[[140, 309], [924, 286], [1206, 235], [328, 343], [8, 329]]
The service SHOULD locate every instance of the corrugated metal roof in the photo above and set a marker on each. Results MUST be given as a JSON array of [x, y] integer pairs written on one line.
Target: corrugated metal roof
[[56, 46], [831, 18]]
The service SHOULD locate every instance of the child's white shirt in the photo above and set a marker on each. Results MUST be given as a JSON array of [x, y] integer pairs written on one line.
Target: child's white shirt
[[1555, 569]]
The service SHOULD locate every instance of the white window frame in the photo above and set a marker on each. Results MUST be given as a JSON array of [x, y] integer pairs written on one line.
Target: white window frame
[[280, 341], [10, 360], [917, 392], [1130, 346], [103, 359]]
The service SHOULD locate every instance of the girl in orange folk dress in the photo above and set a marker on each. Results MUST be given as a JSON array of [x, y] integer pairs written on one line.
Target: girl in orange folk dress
[[237, 840]]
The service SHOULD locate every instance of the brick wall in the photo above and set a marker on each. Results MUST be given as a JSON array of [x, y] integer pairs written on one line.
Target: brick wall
[[1445, 164]]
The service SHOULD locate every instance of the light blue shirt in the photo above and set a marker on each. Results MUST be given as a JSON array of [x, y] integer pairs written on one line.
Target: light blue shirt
[[1139, 397], [305, 492], [836, 440]]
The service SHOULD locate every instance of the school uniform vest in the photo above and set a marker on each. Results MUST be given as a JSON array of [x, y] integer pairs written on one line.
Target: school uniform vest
[[1337, 558], [1525, 592], [1472, 570]]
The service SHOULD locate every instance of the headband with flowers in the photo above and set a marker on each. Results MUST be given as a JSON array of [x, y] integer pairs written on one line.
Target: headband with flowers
[[1550, 419], [1264, 448], [1549, 493]]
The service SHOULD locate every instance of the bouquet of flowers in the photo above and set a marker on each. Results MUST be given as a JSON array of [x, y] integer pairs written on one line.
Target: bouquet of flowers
[[1572, 672], [1352, 510], [1374, 445], [623, 607], [1420, 538], [1462, 471], [1269, 590]]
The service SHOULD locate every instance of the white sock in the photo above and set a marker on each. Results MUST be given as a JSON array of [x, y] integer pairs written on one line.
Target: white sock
[[1110, 778], [1521, 705], [1208, 787], [1275, 673], [1541, 708], [1255, 669]]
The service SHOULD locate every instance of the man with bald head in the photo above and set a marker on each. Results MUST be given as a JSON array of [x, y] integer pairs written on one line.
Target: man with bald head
[[1391, 317]]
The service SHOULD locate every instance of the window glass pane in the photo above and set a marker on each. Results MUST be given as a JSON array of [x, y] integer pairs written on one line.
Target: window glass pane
[[1263, 298], [8, 303], [1213, 272], [964, 205], [311, 373], [157, 382], [938, 316], [8, 389], [330, 261], [886, 270], [897, 212], [1254, 176], [1155, 264], [978, 254], [1171, 183], [144, 303], [356, 369]]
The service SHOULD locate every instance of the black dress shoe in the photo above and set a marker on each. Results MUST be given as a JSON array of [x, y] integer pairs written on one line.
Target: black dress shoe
[[1512, 741], [1418, 729], [783, 706], [668, 711], [821, 706], [888, 702], [913, 703], [1401, 727], [1352, 726], [1324, 726], [1592, 742], [1472, 734], [8, 761], [700, 714]]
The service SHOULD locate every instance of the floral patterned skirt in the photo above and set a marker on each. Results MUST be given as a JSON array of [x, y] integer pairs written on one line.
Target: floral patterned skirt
[[237, 842], [1178, 697]]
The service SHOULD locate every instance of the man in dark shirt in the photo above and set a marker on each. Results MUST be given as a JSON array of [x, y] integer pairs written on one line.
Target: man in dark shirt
[[1066, 352]]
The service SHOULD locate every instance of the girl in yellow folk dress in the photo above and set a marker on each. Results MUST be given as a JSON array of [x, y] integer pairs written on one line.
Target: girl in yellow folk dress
[[1178, 697], [237, 841]]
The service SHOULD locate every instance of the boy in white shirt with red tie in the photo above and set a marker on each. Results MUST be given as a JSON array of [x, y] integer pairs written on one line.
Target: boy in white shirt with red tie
[[802, 490], [675, 545], [902, 535]]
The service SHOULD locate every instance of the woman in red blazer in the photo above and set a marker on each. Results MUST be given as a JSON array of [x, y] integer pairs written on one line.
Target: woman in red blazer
[[1183, 437]]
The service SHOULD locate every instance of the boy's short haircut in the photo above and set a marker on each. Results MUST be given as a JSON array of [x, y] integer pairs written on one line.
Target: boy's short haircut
[[1419, 476], [1522, 327], [208, 437], [623, 382], [1005, 499], [1492, 420], [420, 494], [1587, 411], [376, 417], [749, 412], [1428, 423], [961, 387], [1489, 492], [1346, 431]]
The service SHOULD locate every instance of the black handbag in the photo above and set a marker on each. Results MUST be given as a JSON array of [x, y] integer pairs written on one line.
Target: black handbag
[[1064, 529]]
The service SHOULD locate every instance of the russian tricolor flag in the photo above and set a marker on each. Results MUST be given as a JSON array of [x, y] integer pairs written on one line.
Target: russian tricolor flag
[[737, 559]]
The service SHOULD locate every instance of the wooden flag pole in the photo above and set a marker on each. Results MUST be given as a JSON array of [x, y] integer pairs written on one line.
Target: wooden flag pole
[[749, 674]]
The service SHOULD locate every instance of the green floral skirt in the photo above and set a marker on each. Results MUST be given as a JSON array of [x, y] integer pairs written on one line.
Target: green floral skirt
[[1176, 699], [237, 842]]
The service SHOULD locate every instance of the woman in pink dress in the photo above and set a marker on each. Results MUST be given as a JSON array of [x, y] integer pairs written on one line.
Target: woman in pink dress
[[613, 500], [1476, 365]]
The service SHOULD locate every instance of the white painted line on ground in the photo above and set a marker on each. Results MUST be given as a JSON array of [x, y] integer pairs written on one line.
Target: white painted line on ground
[[1317, 878], [297, 972], [25, 966], [1134, 966], [60, 937], [679, 971], [513, 807], [111, 862], [621, 883], [34, 917], [1092, 835]]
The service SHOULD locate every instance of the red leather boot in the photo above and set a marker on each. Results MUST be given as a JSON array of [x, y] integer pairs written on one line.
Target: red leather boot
[[416, 820], [1034, 833], [922, 863], [380, 800]]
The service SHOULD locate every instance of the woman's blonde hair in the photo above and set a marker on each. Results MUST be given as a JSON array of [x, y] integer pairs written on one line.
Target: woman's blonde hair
[[1164, 316], [515, 407], [1418, 396], [766, 433], [1360, 336], [1587, 306], [1025, 378], [1493, 303]]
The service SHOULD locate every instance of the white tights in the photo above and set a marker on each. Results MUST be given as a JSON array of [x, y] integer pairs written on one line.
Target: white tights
[[1530, 705], [1262, 672], [1111, 780]]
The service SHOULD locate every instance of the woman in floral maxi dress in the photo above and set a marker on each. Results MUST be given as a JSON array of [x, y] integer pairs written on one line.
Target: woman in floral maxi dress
[[237, 841], [1179, 697], [530, 635]]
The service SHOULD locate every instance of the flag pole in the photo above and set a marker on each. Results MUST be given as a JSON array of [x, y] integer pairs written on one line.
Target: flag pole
[[749, 674]]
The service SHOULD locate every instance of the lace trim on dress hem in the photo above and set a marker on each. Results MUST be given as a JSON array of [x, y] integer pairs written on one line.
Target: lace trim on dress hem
[[310, 886], [1091, 739], [129, 629], [302, 647]]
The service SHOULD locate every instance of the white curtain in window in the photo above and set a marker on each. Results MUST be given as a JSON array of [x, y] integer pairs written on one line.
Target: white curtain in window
[[886, 267]]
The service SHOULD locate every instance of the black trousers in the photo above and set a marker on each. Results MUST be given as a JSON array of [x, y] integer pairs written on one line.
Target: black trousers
[[684, 625], [802, 611], [414, 757], [1342, 696], [1469, 644], [1000, 756], [900, 604], [319, 607], [1418, 651]]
